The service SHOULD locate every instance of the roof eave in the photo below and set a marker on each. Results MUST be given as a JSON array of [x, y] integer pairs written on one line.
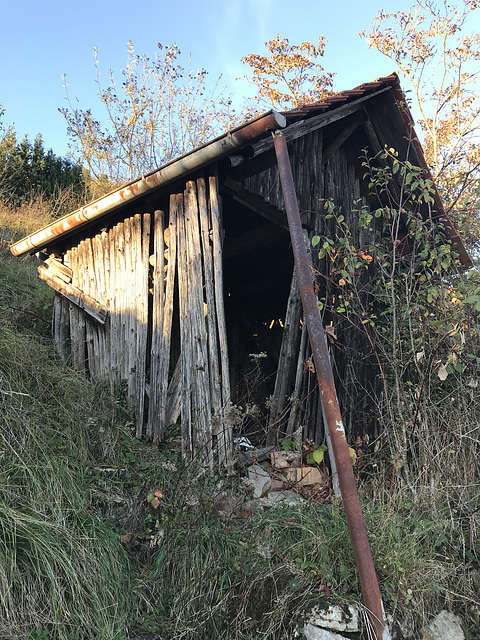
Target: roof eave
[[196, 159]]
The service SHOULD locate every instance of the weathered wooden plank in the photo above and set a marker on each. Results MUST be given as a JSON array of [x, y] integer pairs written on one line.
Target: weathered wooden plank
[[129, 310], [61, 328], [185, 334], [163, 300], [255, 202], [287, 363], [77, 320], [173, 406], [158, 381], [298, 398], [143, 223], [114, 317], [85, 302], [170, 236], [201, 409], [224, 432], [105, 249], [56, 268], [99, 260], [211, 315], [217, 253], [114, 293], [119, 287], [166, 295], [343, 136], [88, 284]]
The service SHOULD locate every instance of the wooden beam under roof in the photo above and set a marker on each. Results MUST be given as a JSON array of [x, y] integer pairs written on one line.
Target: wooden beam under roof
[[254, 202], [264, 156], [350, 126], [301, 128], [254, 239]]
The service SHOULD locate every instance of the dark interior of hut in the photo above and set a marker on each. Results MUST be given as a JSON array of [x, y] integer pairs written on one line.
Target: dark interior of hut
[[258, 267]]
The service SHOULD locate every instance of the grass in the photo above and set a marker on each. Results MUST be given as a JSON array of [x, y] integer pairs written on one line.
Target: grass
[[63, 571], [73, 480]]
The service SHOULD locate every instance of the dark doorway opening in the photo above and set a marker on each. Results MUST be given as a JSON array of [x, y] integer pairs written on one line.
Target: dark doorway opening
[[258, 267]]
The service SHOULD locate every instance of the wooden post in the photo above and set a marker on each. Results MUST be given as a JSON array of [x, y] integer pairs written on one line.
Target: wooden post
[[141, 230], [160, 355], [225, 432], [201, 409], [286, 364]]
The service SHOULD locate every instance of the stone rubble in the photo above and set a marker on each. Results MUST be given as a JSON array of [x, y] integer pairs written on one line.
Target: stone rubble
[[321, 619], [446, 626]]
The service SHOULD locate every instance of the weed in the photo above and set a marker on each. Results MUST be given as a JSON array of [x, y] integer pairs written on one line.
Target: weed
[[76, 483]]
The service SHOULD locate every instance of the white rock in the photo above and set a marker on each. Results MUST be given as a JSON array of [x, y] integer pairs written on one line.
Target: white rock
[[338, 617], [310, 632], [289, 498], [259, 478], [446, 626]]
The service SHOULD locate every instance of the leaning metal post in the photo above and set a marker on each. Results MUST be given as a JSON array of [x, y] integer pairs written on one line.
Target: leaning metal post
[[348, 487]]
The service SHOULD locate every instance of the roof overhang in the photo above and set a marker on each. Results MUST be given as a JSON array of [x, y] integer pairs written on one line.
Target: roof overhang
[[194, 160], [229, 144]]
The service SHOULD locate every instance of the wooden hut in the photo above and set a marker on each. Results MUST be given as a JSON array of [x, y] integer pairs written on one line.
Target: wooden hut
[[179, 285]]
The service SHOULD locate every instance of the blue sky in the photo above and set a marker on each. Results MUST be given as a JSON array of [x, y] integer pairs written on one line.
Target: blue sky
[[44, 39]]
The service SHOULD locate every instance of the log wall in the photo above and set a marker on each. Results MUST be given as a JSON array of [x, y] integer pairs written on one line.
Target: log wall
[[148, 272], [296, 406], [160, 277]]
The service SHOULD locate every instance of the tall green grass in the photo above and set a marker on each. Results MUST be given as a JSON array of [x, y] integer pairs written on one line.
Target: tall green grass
[[72, 479], [63, 572]]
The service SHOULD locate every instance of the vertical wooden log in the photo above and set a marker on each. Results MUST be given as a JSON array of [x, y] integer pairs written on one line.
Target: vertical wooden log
[[102, 254], [100, 259], [211, 315], [185, 335], [286, 364], [217, 234], [61, 328], [77, 320], [155, 425], [298, 396], [201, 402], [171, 232], [119, 287], [114, 315], [114, 320], [215, 378], [129, 310], [224, 432], [156, 350], [142, 227], [173, 407], [87, 283]]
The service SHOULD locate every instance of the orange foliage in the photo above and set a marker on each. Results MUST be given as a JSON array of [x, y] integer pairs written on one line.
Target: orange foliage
[[441, 64], [290, 75]]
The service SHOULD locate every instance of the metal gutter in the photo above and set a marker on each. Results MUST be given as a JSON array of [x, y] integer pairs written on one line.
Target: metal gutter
[[192, 161]]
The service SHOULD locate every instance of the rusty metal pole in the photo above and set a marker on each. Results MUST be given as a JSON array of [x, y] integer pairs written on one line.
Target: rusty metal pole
[[356, 524]]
